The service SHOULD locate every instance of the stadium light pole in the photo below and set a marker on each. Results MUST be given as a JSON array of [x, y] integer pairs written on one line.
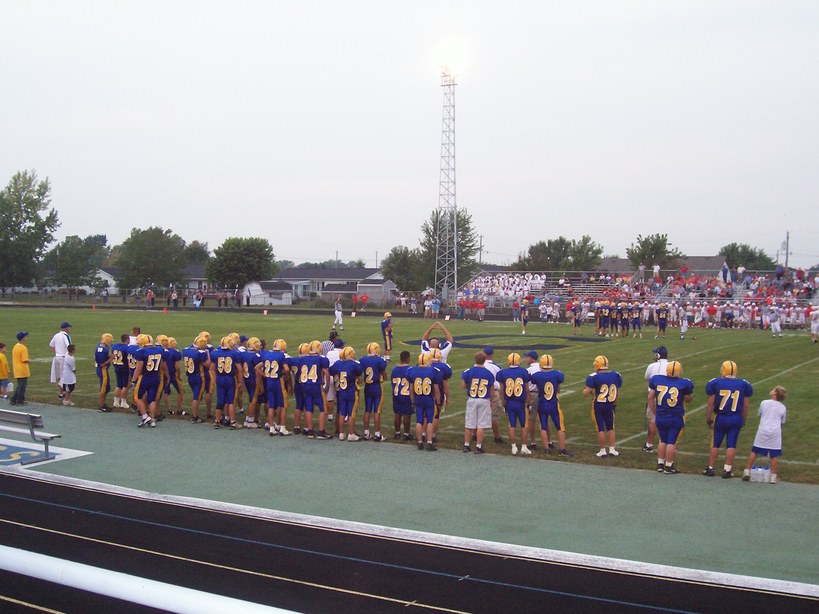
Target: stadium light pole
[[446, 215]]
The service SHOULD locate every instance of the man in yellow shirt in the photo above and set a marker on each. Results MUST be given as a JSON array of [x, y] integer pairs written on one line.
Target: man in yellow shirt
[[20, 362], [4, 372]]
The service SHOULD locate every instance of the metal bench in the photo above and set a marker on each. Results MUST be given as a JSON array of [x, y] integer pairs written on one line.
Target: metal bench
[[30, 422]]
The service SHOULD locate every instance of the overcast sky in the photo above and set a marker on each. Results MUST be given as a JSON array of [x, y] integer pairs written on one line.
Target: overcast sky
[[318, 124]]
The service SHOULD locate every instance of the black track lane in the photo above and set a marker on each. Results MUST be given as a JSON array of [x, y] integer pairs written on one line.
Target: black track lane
[[312, 569]]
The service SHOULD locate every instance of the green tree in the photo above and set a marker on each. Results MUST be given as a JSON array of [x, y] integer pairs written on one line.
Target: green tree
[[752, 258], [151, 256], [653, 249], [467, 242], [75, 261], [401, 266], [27, 226], [560, 254], [197, 252], [284, 264], [585, 254], [241, 260]]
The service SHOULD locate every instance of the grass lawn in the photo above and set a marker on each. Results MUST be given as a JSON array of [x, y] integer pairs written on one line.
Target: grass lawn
[[791, 361]]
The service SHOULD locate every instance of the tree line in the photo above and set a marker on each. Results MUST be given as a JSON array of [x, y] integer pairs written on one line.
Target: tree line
[[158, 257]]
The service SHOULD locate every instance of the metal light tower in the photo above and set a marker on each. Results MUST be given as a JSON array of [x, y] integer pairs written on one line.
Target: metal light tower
[[446, 239]]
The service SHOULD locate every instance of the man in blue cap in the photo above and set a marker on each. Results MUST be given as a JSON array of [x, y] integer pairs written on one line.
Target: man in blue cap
[[658, 367], [497, 406]]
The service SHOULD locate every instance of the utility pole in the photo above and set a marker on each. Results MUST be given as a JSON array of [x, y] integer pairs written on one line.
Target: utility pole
[[480, 250]]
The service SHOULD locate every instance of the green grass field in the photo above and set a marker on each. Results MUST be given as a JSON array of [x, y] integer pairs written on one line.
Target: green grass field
[[791, 361]]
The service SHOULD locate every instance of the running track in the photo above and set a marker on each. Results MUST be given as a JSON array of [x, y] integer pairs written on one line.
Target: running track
[[317, 569]]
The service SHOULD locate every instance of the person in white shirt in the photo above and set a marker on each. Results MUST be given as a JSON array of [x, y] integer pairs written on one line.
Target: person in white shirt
[[69, 375], [428, 343], [658, 367], [339, 313], [333, 356], [814, 324], [768, 440], [533, 366], [59, 345], [497, 407]]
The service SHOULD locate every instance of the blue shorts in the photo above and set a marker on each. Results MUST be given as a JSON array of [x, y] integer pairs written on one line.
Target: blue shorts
[[250, 386], [387, 343], [603, 418], [516, 412], [173, 381], [372, 402], [636, 323], [275, 396], [345, 405], [105, 384], [727, 427], [402, 406], [147, 389], [298, 393], [225, 390], [669, 428], [122, 377], [661, 324], [578, 321], [624, 324], [555, 414], [604, 322], [196, 387], [313, 398], [766, 452], [424, 410]]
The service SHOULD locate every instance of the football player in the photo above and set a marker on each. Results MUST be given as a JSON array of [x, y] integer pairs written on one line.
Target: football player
[[373, 368], [605, 385], [668, 394], [102, 358], [346, 372], [386, 333], [514, 384], [547, 384], [225, 370], [726, 413]]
